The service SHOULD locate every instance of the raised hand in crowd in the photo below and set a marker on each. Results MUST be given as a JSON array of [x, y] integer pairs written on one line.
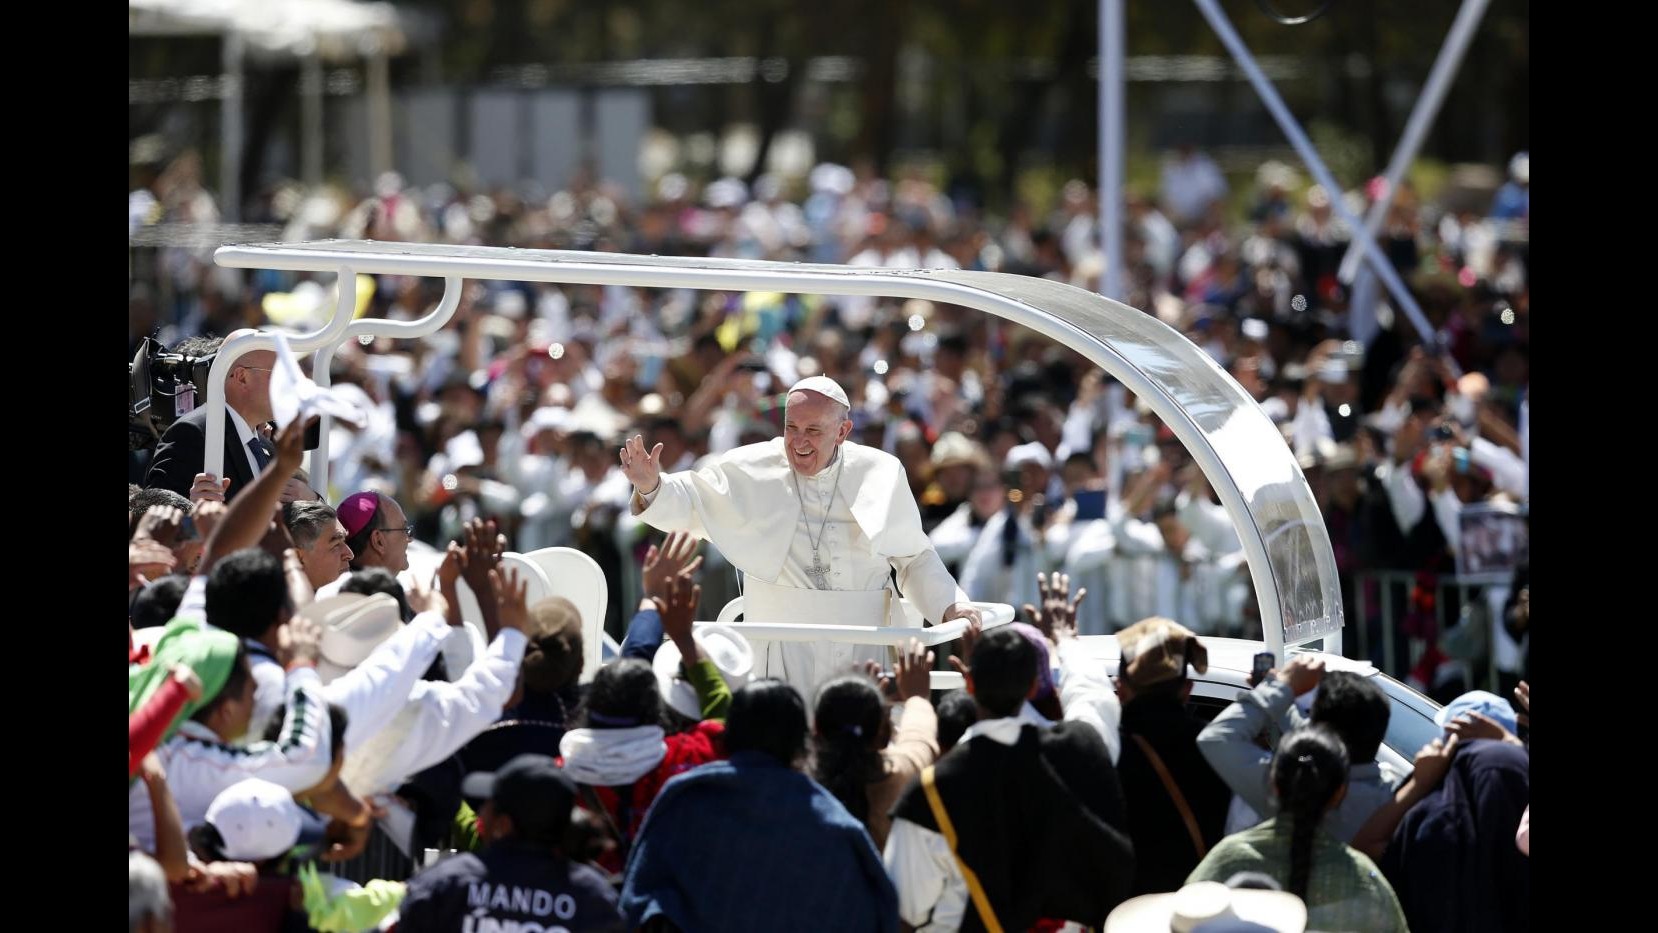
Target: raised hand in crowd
[[424, 596], [969, 639], [1058, 616], [207, 516], [1409, 439], [484, 547], [676, 557], [162, 524], [350, 820], [1143, 491], [884, 680], [679, 610], [511, 591], [299, 643], [913, 671], [172, 851], [147, 560], [289, 449], [1472, 725], [1302, 673], [449, 572], [1433, 762], [1193, 481], [1522, 704]]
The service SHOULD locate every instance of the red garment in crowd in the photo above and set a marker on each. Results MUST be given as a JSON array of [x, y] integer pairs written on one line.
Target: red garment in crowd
[[263, 911], [136, 656], [702, 744], [145, 727]]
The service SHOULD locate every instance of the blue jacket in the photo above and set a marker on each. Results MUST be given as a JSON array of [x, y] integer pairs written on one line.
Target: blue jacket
[[1453, 860], [749, 844]]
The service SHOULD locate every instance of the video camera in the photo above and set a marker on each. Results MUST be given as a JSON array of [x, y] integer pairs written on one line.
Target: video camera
[[163, 386]]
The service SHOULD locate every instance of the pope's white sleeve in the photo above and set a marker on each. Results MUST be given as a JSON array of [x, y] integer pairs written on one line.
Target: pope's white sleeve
[[672, 506], [927, 584]]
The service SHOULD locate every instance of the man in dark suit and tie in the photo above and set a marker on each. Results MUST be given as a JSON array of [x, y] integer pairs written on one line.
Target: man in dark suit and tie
[[180, 457]]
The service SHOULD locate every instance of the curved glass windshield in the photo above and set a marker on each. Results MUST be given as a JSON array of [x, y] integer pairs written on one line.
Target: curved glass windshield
[[1240, 451]]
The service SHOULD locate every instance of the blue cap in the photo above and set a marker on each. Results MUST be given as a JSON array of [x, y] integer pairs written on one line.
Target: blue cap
[[1479, 701]]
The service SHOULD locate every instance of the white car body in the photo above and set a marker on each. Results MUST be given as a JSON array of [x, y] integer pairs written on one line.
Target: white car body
[[1410, 726]]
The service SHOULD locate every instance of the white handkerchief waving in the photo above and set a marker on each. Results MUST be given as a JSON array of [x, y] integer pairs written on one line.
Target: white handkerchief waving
[[294, 395]]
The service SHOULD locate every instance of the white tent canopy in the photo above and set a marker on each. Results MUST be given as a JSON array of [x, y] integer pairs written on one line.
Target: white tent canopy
[[334, 29], [310, 30]]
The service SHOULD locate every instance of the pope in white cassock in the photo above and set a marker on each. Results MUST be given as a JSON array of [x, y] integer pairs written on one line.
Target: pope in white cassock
[[816, 525]]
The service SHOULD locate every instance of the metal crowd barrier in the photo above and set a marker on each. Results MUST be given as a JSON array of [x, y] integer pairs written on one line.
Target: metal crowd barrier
[[1381, 601]]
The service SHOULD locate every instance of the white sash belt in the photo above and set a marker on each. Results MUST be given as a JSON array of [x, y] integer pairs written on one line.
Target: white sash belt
[[769, 602]]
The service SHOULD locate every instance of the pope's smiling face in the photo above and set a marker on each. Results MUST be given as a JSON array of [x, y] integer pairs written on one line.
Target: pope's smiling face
[[813, 426]]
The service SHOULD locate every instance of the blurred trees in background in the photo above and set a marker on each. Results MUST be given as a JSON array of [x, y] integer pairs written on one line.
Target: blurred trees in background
[[984, 90]]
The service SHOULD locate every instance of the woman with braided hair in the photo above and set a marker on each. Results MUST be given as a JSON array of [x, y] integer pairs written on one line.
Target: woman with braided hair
[[1342, 888], [857, 753]]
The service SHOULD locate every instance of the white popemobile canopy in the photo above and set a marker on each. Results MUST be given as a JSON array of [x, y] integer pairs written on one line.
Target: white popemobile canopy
[[1240, 451]]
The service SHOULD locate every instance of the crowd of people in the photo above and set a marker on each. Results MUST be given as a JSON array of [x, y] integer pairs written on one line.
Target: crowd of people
[[1024, 458], [299, 691]]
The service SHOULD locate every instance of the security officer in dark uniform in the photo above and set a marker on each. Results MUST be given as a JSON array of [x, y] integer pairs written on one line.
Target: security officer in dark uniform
[[521, 880]]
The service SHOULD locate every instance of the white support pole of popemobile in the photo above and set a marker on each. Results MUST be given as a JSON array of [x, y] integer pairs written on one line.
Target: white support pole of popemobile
[[1245, 459]]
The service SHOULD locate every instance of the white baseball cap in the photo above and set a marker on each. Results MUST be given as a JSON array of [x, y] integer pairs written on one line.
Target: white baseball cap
[[259, 820], [725, 646], [822, 385], [1033, 452]]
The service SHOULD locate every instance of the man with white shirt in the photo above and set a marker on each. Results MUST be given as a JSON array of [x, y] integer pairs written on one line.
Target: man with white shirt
[[432, 719], [816, 524], [181, 455], [200, 759], [1021, 821]]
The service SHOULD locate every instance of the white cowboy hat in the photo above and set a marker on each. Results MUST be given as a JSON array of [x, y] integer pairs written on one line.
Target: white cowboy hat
[[353, 625], [725, 646], [1203, 901]]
